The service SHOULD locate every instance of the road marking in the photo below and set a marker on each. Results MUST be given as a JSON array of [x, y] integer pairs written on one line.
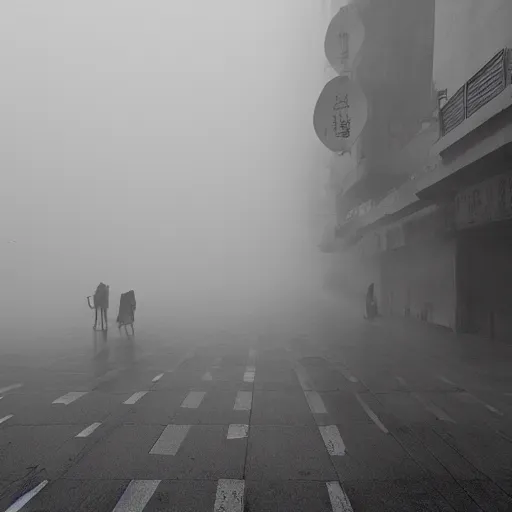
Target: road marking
[[158, 377], [230, 496], [250, 373], [401, 381], [446, 381], [70, 397], [252, 353], [23, 500], [332, 439], [135, 397], [136, 496], [434, 409], [207, 376], [193, 399], [89, 430], [347, 375], [338, 497], [371, 414], [303, 377], [315, 402], [170, 440], [5, 418], [237, 431], [470, 398], [9, 388], [243, 401]]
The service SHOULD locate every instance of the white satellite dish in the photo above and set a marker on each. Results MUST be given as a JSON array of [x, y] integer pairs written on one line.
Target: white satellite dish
[[340, 114], [344, 38]]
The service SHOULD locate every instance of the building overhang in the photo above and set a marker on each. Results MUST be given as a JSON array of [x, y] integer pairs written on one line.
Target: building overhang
[[467, 169]]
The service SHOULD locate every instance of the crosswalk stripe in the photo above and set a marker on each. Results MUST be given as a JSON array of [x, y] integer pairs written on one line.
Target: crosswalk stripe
[[237, 431], [170, 440], [88, 430], [338, 497], [5, 418], [230, 496], [136, 496], [23, 500], [158, 377], [10, 388], [332, 439], [315, 402], [70, 397], [193, 399], [135, 397], [243, 401]]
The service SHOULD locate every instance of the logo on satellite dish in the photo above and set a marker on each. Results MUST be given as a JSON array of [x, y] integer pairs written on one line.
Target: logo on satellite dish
[[344, 38], [340, 114]]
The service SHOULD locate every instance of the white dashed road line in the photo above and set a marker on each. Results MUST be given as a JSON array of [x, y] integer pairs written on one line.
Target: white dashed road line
[[23, 500], [135, 397], [446, 381], [250, 373], [230, 496], [170, 440], [434, 409], [88, 430], [157, 377], [243, 401], [69, 398], [332, 439], [347, 375], [136, 496], [371, 414], [236, 431], [401, 381], [315, 402], [5, 418], [303, 377], [338, 497], [193, 399], [470, 398], [10, 388]]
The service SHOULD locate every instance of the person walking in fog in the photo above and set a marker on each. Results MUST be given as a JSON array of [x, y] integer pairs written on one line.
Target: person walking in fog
[[371, 303], [100, 303], [127, 308]]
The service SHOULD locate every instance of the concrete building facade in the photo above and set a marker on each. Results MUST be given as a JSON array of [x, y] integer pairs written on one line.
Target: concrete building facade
[[445, 233]]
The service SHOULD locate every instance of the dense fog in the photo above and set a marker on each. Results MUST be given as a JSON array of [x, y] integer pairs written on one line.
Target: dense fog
[[165, 147]]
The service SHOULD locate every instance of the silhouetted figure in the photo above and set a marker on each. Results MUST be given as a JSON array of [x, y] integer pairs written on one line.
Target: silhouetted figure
[[100, 302], [371, 303], [127, 308]]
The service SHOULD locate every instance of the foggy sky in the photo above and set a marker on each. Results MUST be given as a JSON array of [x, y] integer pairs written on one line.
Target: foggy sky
[[161, 146]]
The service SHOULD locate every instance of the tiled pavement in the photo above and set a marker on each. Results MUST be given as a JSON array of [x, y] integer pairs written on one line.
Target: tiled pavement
[[328, 415]]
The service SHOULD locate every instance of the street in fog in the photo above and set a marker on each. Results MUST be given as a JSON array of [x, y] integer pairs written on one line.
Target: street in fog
[[255, 256], [406, 418]]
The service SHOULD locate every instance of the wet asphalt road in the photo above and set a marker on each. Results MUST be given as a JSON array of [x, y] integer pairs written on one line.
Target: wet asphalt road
[[327, 413]]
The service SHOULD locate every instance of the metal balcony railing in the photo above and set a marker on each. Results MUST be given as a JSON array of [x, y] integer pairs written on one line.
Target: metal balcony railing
[[481, 88]]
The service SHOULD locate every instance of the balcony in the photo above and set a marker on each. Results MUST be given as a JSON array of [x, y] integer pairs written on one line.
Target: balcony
[[488, 83]]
